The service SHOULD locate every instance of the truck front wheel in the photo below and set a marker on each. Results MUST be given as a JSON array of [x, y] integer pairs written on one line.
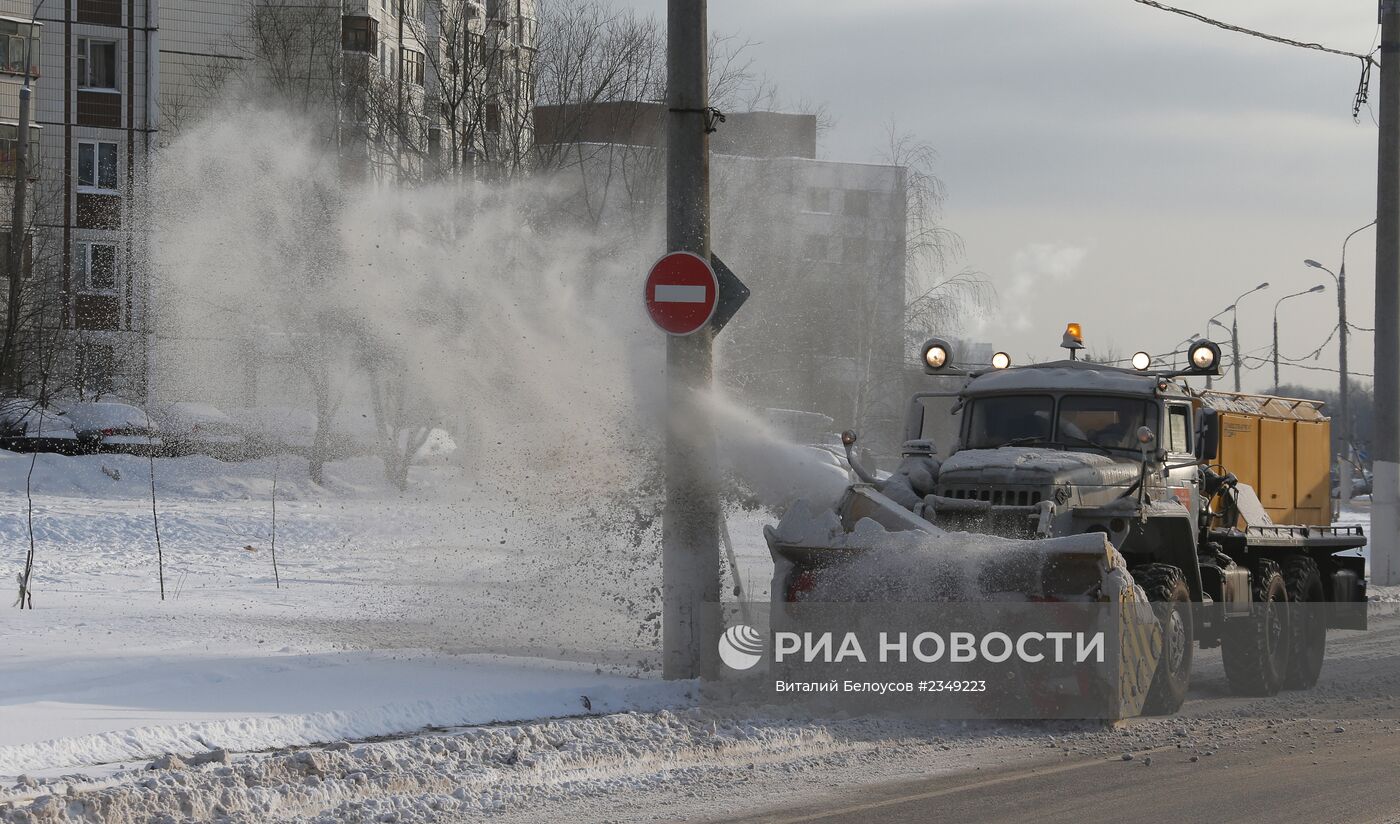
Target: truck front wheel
[[1171, 602]]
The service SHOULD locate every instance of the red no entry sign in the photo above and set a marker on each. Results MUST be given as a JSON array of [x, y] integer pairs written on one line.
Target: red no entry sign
[[681, 293]]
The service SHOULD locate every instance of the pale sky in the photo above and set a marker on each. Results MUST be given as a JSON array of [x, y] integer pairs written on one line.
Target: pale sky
[[1107, 162]]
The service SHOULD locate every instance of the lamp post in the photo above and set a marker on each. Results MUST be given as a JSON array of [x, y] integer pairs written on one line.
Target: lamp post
[[1343, 381], [1210, 382], [1235, 330], [1318, 288], [1195, 336]]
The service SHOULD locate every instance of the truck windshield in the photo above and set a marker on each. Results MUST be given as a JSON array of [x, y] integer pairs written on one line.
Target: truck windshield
[[1009, 420], [1111, 423], [1098, 421]]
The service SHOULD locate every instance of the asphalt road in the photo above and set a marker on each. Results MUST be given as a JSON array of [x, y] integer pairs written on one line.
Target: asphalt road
[[1331, 754]]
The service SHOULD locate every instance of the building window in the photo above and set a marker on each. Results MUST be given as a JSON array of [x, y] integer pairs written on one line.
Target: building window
[[493, 118], [413, 66], [12, 48], [855, 250], [358, 34], [97, 64], [9, 150], [857, 204], [97, 365], [411, 9], [97, 266], [97, 165]]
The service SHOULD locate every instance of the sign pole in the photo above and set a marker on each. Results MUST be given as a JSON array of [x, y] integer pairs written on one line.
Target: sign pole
[[690, 589], [1385, 453]]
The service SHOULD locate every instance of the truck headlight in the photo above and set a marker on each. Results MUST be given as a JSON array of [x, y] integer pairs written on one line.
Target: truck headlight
[[1205, 355], [936, 355]]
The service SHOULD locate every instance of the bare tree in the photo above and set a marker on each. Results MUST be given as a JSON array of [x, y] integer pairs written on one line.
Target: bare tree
[[935, 296], [403, 417]]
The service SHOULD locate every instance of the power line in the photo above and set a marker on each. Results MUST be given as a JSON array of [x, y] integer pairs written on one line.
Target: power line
[[1332, 369], [1254, 33], [1363, 86]]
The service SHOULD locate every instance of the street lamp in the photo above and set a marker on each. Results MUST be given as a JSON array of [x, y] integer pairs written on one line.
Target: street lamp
[[1340, 277], [1185, 342], [1318, 288], [1234, 329], [1210, 382]]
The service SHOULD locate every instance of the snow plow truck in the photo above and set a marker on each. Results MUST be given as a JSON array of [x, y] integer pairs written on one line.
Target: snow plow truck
[[1217, 503]]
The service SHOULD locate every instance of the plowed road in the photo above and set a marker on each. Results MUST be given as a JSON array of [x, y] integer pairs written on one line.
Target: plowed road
[[1328, 755]]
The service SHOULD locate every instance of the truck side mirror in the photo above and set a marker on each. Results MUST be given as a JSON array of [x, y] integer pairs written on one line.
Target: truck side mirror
[[1208, 435]]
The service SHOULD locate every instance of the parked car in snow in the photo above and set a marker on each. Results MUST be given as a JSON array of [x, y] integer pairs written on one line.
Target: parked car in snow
[[28, 426], [200, 429], [109, 426]]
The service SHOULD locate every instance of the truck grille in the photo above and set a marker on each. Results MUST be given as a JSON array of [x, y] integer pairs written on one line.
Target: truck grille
[[996, 497]]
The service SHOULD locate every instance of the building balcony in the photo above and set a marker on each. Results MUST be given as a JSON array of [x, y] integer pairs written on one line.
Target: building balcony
[[100, 12], [100, 107]]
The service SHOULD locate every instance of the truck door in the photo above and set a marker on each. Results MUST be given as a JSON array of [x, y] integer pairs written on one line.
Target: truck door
[[1182, 481], [935, 416]]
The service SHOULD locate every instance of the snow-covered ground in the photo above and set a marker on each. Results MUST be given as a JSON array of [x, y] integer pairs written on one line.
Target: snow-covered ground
[[430, 655], [445, 606]]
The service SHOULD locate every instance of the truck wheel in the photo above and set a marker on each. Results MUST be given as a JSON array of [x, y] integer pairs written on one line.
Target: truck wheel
[[1255, 648], [1171, 601], [1304, 582]]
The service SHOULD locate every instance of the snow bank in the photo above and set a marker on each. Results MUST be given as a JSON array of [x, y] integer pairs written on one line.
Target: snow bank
[[128, 476], [442, 777], [359, 696]]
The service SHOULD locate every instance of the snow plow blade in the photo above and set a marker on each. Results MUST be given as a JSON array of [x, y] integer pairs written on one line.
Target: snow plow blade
[[872, 550]]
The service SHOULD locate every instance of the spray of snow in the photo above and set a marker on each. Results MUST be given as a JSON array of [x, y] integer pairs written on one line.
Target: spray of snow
[[775, 469], [514, 327]]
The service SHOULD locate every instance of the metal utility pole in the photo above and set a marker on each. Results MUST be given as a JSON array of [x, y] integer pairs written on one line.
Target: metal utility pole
[[1385, 455], [1317, 288], [1210, 381], [1344, 331], [1234, 330], [1235, 345], [1343, 379], [690, 627], [14, 256]]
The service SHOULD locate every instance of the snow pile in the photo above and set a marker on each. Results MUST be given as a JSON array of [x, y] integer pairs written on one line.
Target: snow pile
[[347, 696], [475, 771]]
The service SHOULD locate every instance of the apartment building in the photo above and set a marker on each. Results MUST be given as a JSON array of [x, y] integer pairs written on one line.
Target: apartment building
[[409, 81]]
